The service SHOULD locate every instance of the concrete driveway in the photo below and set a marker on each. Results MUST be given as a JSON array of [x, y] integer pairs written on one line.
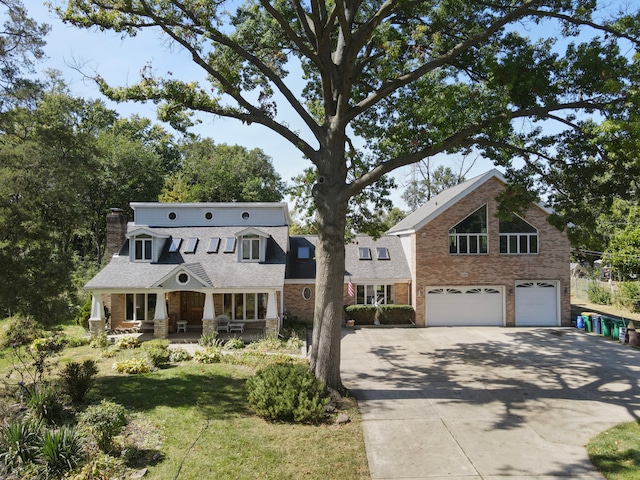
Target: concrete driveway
[[487, 402]]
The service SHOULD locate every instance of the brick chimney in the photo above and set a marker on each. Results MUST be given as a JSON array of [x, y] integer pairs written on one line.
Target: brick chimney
[[116, 231]]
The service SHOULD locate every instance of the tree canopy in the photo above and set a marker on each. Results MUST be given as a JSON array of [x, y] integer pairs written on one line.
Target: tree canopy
[[386, 84]]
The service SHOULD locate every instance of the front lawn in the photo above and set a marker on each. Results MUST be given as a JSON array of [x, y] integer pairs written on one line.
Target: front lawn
[[192, 420], [616, 452]]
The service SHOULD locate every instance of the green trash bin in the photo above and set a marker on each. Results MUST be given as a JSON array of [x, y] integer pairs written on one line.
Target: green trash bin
[[587, 323], [615, 328], [606, 324]]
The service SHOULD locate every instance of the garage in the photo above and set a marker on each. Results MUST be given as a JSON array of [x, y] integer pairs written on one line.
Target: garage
[[536, 304], [464, 306]]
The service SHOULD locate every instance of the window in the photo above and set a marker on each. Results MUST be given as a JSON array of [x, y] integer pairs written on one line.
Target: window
[[230, 245], [469, 237], [182, 278], [246, 216], [304, 253], [518, 236], [192, 243], [364, 253], [383, 253], [208, 215], [306, 293], [368, 294], [250, 248], [140, 307], [172, 215], [143, 247], [214, 244], [174, 246], [245, 306]]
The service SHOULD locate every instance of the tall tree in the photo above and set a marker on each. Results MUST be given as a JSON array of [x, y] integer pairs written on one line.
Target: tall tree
[[427, 183], [408, 79], [222, 173]]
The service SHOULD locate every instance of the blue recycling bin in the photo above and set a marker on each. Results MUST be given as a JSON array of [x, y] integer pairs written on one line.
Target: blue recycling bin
[[579, 322], [597, 324]]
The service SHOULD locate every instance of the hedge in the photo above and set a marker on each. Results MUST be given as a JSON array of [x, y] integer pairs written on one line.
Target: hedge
[[389, 314]]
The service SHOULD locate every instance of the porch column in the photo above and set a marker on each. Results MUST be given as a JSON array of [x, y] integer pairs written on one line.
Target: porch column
[[160, 319], [96, 320], [208, 314], [271, 320]]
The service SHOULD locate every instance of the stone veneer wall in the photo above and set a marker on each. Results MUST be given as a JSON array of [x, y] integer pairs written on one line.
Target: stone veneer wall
[[436, 267]]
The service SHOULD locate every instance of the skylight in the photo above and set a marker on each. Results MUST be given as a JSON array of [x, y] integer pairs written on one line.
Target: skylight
[[191, 245], [383, 253], [304, 252], [230, 245], [214, 244], [364, 253], [174, 246]]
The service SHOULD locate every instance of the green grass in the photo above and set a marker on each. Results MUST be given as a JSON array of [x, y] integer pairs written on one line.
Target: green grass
[[616, 452], [199, 425]]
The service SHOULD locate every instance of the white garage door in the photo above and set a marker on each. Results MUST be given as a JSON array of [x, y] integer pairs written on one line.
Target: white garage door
[[462, 306], [536, 304]]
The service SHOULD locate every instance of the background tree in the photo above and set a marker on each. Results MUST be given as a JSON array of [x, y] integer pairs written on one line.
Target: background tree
[[407, 80], [427, 183], [222, 173]]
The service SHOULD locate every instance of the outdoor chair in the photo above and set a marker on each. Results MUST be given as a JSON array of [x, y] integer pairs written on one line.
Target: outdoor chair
[[222, 323]]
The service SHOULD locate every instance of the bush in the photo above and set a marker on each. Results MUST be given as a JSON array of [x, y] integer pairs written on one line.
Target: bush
[[208, 355], [132, 366], [77, 379], [234, 344], [209, 340], [287, 392], [49, 345], [73, 342], [156, 343], [100, 341], [83, 315], [104, 422], [44, 404], [127, 342], [102, 467], [20, 443], [157, 356], [389, 314], [179, 355], [268, 344], [18, 331], [294, 343], [598, 294], [629, 295], [62, 451]]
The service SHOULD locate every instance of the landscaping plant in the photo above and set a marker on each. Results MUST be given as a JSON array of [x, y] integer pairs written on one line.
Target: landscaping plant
[[78, 378], [104, 421]]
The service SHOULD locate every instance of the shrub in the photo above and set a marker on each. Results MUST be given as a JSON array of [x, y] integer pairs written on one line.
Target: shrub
[[179, 355], [287, 392], [18, 331], [83, 315], [268, 344], [629, 295], [100, 341], [294, 343], [209, 340], [389, 314], [73, 342], [208, 355], [156, 343], [234, 344], [44, 404], [49, 345], [77, 379], [132, 366], [62, 451], [254, 359], [127, 342], [102, 467], [104, 422], [157, 356], [20, 442], [598, 294]]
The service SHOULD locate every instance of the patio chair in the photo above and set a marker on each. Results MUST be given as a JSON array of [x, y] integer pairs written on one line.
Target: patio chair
[[222, 323]]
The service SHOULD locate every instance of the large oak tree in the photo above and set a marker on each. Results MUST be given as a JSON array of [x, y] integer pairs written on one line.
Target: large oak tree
[[386, 84]]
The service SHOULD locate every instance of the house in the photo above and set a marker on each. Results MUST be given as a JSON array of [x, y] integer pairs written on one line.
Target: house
[[184, 265]]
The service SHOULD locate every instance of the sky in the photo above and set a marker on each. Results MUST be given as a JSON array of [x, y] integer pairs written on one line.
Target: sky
[[78, 53]]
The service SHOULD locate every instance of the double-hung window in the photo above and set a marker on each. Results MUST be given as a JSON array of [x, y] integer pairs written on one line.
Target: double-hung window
[[518, 236], [143, 248], [250, 248], [469, 237], [369, 294]]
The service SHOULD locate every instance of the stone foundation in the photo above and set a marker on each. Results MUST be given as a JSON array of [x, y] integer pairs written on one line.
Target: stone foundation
[[96, 326], [209, 325], [271, 327], [161, 328]]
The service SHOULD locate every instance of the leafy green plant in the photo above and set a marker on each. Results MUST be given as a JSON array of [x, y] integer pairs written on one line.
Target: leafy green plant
[[234, 344], [132, 366], [62, 451], [104, 421], [267, 344], [77, 379], [43, 402], [179, 355], [83, 315], [102, 467], [18, 331], [293, 343], [20, 442], [628, 295], [388, 314], [156, 343], [157, 356], [127, 342], [208, 355], [100, 341], [288, 392], [73, 342], [598, 294], [51, 344], [210, 340]]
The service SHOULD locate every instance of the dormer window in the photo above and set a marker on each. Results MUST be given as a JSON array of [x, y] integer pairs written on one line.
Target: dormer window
[[143, 248], [250, 248]]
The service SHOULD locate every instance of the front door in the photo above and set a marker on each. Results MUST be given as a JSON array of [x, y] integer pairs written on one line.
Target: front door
[[191, 307]]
